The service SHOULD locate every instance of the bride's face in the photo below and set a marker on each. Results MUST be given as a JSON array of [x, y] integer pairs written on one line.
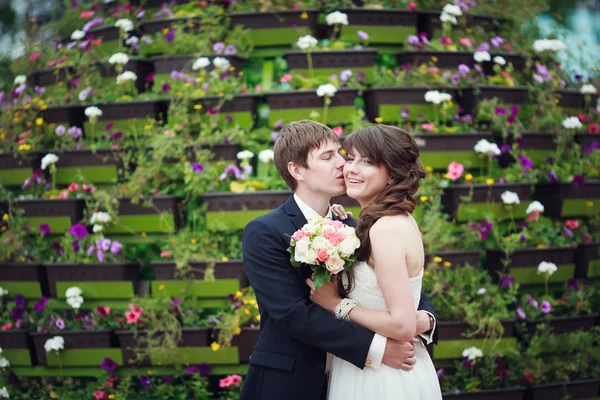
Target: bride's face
[[364, 180]]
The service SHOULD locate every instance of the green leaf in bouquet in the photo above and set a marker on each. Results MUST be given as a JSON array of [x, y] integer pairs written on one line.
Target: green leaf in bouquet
[[320, 276]]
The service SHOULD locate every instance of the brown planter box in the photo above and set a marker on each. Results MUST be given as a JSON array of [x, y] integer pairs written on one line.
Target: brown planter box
[[223, 151], [49, 76], [585, 253], [508, 95], [15, 339], [308, 99], [573, 99], [428, 21], [142, 68], [156, 109], [245, 342], [100, 339], [585, 140], [157, 25], [23, 272], [68, 115], [239, 103], [557, 391], [565, 324], [453, 330], [493, 394], [13, 161], [160, 204], [164, 65], [190, 337], [156, 3], [280, 19], [166, 270], [128, 271], [108, 33], [72, 208], [481, 192], [456, 257], [552, 195], [450, 141], [451, 59], [528, 258], [380, 17], [332, 59]]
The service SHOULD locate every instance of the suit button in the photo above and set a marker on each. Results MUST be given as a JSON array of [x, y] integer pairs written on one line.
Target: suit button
[[320, 366]]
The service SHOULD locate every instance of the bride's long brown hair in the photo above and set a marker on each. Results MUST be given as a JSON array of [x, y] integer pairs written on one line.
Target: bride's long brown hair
[[398, 152]]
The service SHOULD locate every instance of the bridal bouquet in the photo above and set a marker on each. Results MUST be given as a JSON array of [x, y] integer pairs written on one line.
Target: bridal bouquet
[[327, 246]]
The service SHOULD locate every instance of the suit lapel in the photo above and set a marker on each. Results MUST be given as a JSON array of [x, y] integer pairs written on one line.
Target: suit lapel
[[298, 220]]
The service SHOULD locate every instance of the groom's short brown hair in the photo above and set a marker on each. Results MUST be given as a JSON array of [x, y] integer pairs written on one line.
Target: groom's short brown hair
[[295, 141]]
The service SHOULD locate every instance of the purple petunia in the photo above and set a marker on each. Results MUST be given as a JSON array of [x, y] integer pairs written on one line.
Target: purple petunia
[[79, 231], [463, 69], [170, 36], [230, 50], [231, 169], [545, 307], [594, 146], [573, 284], [45, 229], [115, 247], [175, 302], [58, 248], [60, 324], [405, 113], [507, 282], [552, 176], [203, 369], [40, 305], [17, 313], [198, 168], [578, 180], [60, 130], [520, 313], [20, 301], [525, 162], [109, 365], [145, 381], [362, 35]]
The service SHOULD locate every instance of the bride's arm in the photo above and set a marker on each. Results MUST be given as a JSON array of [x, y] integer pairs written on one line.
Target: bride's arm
[[389, 255]]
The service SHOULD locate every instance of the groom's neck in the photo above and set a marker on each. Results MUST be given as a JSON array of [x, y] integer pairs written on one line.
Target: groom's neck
[[318, 202]]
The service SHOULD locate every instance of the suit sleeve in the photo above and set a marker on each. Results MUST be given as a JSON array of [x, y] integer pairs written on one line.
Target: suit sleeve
[[426, 305], [285, 298]]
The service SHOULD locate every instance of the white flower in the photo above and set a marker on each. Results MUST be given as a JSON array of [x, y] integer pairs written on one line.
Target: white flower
[[311, 257], [3, 292], [588, 89], [548, 44], [49, 159], [572, 123], [92, 112], [4, 363], [349, 245], [481, 56], [118, 58], [337, 17], [4, 393], [445, 17], [124, 24], [21, 79], [547, 268], [481, 291], [266, 155], [334, 264], [97, 228], [83, 95], [320, 243], [535, 206], [301, 249], [201, 62], [75, 302], [306, 42], [126, 76], [73, 291], [245, 155], [326, 90], [221, 63], [472, 353], [445, 96], [77, 34], [452, 10], [101, 217], [509, 197], [499, 60], [485, 147], [56, 343], [433, 96]]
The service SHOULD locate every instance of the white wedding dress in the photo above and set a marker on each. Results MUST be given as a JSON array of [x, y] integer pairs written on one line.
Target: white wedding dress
[[347, 382]]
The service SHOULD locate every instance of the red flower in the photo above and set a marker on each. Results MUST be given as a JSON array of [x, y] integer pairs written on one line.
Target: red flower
[[594, 128], [572, 223], [96, 42], [584, 117], [34, 56], [411, 6], [86, 14], [7, 326], [528, 377]]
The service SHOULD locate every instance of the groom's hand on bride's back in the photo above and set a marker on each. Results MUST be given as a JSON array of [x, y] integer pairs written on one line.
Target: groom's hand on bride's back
[[400, 355]]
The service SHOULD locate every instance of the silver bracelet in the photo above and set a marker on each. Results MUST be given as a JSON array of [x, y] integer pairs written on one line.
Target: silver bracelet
[[343, 309]]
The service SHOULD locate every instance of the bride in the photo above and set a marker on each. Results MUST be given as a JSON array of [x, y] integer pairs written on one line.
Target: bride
[[384, 286]]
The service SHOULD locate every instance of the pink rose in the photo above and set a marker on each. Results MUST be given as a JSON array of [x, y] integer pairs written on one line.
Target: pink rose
[[337, 224], [297, 236], [336, 239], [322, 255]]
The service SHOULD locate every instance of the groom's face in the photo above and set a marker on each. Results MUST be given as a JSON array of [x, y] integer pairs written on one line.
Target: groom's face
[[324, 174]]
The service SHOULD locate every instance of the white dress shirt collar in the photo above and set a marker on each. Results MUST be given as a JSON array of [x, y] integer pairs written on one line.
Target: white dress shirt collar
[[308, 212]]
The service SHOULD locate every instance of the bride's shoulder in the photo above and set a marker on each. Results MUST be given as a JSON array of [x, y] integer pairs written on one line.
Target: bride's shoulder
[[391, 224]]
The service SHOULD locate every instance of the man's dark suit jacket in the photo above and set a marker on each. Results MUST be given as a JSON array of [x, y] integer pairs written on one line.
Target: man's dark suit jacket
[[288, 362]]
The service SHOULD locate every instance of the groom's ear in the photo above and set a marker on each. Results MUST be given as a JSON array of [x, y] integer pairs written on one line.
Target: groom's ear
[[295, 171]]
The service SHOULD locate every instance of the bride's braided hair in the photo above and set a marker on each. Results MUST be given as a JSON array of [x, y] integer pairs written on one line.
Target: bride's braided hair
[[398, 152]]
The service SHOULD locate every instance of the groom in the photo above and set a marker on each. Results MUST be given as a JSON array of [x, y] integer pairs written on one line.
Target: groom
[[288, 362]]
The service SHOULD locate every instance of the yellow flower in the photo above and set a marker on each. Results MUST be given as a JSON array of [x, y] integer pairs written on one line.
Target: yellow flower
[[158, 363], [253, 302], [469, 30], [427, 273], [378, 120], [237, 331], [429, 168], [39, 121], [215, 346], [143, 234], [53, 395], [258, 317], [24, 147], [304, 15], [161, 287], [423, 198], [182, 159], [60, 83], [187, 84], [199, 79], [193, 241], [4, 217], [238, 294], [489, 181], [247, 312], [197, 106], [447, 264], [27, 106], [43, 107], [256, 306], [468, 177], [3, 228], [224, 258], [589, 204], [437, 259], [446, 176], [148, 127], [149, 372], [165, 31], [111, 396], [434, 59]]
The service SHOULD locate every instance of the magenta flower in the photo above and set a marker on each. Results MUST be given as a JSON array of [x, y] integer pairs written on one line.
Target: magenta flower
[[405, 113], [166, 88], [500, 111], [170, 36], [507, 282], [79, 231], [525, 162], [145, 381], [175, 302], [109, 365], [198, 168], [150, 77], [545, 307], [40, 305], [578, 180], [45, 229]]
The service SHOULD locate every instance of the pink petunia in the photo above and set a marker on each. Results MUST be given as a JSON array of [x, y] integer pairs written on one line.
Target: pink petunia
[[428, 126], [455, 170], [225, 382], [235, 379], [339, 131]]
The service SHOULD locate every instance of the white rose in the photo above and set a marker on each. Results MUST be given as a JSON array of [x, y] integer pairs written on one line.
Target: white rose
[[347, 231], [100, 216], [124, 24], [4, 363], [535, 206], [433, 96], [97, 228], [547, 268], [301, 249], [126, 76], [588, 89], [481, 291], [221, 63], [92, 111], [73, 291], [485, 147], [509, 197], [201, 63], [445, 17], [349, 246], [337, 17], [319, 243], [572, 123], [334, 264], [4, 393], [481, 56], [20, 79], [118, 58], [245, 155], [499, 60], [75, 302], [49, 159], [306, 42], [326, 90], [452, 9], [266, 156], [311, 257], [3, 292], [77, 34], [472, 353]]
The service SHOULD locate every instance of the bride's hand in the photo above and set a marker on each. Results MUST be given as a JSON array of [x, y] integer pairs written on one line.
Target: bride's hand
[[327, 296], [339, 211]]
